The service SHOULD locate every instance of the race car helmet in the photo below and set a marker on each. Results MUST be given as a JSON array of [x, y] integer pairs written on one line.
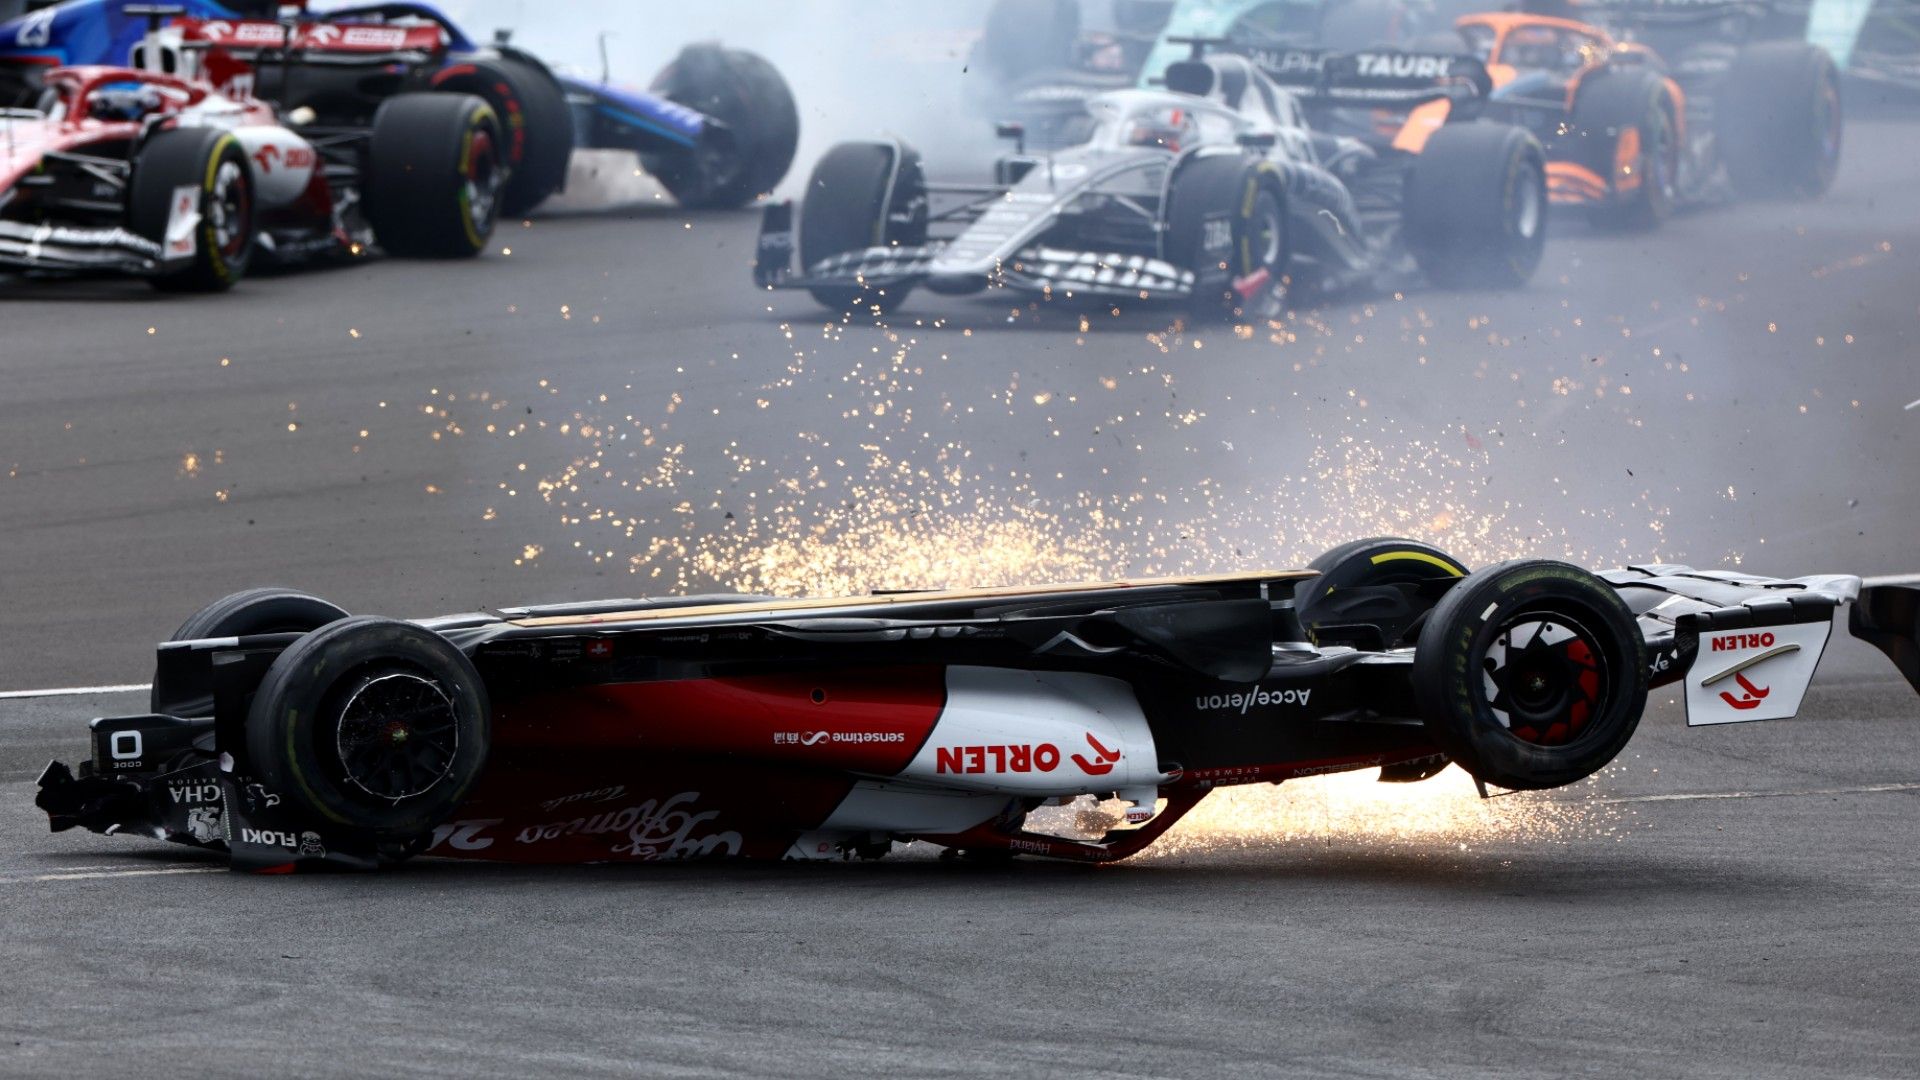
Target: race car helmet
[[1170, 126]]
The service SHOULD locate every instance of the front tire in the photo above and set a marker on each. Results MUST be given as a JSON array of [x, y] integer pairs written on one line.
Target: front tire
[[1373, 592], [1780, 121], [536, 126], [857, 199], [1227, 222], [746, 93], [1476, 205], [1531, 674], [208, 167], [1625, 127], [371, 723], [434, 175]]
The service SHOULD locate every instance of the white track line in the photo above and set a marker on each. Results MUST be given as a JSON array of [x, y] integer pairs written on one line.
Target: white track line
[[91, 875], [76, 691], [1867, 789]]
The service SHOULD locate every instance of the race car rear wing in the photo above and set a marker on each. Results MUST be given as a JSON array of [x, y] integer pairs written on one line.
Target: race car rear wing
[[1383, 77]]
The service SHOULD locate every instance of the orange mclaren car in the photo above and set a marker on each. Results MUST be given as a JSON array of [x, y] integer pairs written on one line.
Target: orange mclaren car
[[1632, 132]]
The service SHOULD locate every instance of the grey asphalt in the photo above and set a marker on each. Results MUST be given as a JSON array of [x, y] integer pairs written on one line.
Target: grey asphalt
[[1728, 391]]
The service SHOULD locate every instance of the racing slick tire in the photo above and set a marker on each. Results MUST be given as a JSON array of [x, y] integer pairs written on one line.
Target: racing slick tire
[[1476, 205], [268, 610], [212, 163], [1373, 592], [1625, 131], [371, 723], [1779, 120], [1240, 275], [1530, 674], [434, 174], [856, 200], [747, 94], [536, 126]]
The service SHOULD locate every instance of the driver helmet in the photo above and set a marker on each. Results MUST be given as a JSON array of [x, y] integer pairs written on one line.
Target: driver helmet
[[1169, 127]]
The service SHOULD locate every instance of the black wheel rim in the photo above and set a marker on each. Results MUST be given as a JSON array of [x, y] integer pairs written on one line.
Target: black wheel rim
[[229, 207], [1544, 677], [480, 189], [397, 735]]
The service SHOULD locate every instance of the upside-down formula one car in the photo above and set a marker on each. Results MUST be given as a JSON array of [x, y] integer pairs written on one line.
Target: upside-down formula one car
[[289, 735], [152, 171], [1212, 190], [1675, 104], [717, 129]]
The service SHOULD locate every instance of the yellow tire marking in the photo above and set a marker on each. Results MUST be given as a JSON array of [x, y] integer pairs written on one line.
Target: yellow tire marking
[[1418, 556]]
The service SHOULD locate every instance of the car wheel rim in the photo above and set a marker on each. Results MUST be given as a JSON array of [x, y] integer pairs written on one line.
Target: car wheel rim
[[397, 736], [1526, 206], [1544, 677], [1826, 121], [227, 209], [1269, 232], [482, 186]]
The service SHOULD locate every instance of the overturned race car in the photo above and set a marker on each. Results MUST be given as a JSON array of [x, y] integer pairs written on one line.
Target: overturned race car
[[292, 736]]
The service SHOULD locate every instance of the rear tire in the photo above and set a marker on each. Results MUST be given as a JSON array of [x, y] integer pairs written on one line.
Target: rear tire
[[1244, 279], [1779, 120], [1377, 582], [434, 175], [373, 724], [848, 208], [1629, 114], [1531, 674], [536, 125], [211, 164], [1476, 205], [268, 610], [747, 94]]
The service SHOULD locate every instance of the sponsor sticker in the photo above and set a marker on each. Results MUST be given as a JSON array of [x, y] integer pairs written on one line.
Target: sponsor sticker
[[1241, 701], [1759, 673], [183, 222]]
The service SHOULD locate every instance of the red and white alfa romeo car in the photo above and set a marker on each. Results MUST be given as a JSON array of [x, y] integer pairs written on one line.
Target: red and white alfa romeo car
[[172, 169], [288, 734]]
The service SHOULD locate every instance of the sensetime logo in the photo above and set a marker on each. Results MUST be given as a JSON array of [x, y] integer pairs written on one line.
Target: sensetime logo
[[1241, 702]]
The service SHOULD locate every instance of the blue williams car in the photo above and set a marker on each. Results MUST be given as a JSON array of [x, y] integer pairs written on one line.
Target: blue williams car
[[717, 128]]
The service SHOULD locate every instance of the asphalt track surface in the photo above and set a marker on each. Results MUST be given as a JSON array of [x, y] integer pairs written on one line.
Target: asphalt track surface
[[1729, 390]]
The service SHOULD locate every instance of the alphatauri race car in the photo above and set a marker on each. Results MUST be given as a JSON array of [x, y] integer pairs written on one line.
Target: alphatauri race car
[[1039, 61], [717, 129], [1213, 190], [139, 171], [289, 735]]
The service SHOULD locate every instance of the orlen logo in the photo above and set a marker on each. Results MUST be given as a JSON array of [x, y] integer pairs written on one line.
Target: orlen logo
[[1728, 642], [1104, 758], [1018, 758]]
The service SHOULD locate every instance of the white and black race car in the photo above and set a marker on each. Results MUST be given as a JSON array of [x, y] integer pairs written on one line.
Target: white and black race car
[[1211, 189], [289, 735]]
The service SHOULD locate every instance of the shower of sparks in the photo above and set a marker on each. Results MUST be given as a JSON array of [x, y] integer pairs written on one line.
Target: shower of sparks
[[1355, 812]]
